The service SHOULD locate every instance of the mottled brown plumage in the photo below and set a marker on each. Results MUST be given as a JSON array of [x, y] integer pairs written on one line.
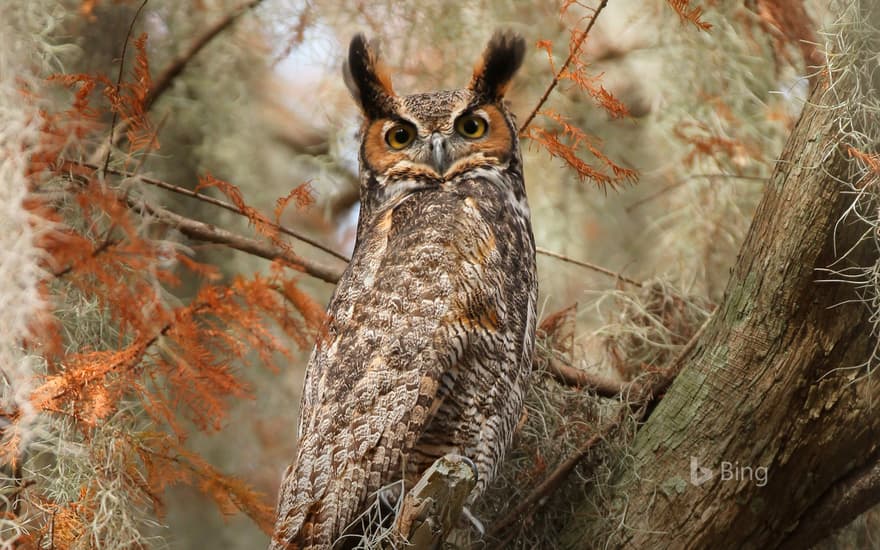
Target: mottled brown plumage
[[431, 328]]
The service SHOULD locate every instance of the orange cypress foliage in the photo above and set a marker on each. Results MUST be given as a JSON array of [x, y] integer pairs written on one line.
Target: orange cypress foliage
[[688, 14], [706, 143], [91, 384], [128, 100], [788, 24], [162, 455], [80, 125], [172, 360], [566, 142], [302, 195], [547, 46], [76, 125], [577, 73], [871, 161], [178, 360], [261, 223]]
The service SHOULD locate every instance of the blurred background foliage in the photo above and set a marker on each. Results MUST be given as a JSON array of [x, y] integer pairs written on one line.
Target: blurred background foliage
[[263, 106]]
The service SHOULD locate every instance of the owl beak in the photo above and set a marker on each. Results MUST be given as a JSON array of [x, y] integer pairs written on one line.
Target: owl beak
[[439, 153]]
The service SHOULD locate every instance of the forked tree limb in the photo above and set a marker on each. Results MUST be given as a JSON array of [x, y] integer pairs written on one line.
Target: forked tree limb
[[773, 381]]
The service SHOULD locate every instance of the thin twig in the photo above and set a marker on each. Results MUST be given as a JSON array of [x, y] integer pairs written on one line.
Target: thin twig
[[537, 497], [172, 71], [587, 265], [556, 477], [119, 79], [299, 33], [210, 200], [654, 195], [571, 56], [201, 231]]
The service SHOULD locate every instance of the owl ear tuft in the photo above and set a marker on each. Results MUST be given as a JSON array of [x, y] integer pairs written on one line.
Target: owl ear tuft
[[367, 77], [501, 59]]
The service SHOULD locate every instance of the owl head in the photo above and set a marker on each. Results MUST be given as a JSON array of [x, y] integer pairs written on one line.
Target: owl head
[[435, 136]]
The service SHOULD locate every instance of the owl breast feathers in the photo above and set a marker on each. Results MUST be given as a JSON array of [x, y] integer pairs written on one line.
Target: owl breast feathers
[[431, 329]]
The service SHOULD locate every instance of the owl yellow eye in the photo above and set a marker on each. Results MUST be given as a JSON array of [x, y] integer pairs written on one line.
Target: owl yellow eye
[[400, 135], [470, 126]]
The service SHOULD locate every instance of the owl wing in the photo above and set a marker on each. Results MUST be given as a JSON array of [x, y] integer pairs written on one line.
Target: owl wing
[[398, 321], [349, 446]]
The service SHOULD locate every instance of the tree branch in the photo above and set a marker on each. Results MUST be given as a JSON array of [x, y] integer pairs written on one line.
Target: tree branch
[[639, 397], [842, 502], [67, 163], [176, 67], [210, 200], [587, 265], [571, 55], [672, 186], [205, 232]]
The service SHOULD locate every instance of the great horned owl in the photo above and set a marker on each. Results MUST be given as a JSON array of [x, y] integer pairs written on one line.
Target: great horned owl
[[431, 330]]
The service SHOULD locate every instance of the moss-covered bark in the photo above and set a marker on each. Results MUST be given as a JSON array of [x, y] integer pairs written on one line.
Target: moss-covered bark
[[767, 385]]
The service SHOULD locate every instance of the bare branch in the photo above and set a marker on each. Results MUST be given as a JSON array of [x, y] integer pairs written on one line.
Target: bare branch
[[588, 265], [205, 232], [210, 200], [66, 163], [672, 186], [532, 502], [571, 56], [172, 71]]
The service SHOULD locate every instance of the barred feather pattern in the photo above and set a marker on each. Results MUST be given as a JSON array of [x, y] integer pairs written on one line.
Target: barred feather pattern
[[428, 351]]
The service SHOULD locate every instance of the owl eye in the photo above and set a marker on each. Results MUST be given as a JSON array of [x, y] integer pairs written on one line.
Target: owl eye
[[470, 126], [400, 135]]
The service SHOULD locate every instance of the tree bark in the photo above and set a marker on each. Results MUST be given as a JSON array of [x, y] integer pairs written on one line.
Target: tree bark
[[768, 384]]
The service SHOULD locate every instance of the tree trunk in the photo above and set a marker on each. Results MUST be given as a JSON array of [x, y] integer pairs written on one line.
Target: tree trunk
[[768, 383]]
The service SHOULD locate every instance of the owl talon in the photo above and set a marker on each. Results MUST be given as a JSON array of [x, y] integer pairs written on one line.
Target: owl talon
[[472, 465]]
